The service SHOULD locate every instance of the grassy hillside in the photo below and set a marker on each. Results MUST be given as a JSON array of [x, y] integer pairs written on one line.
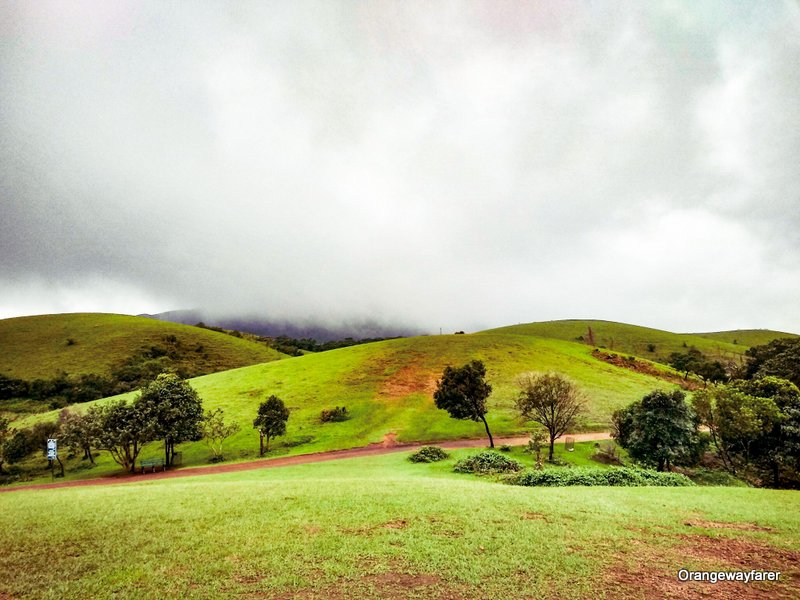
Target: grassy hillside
[[382, 527], [39, 347], [387, 388], [632, 339], [746, 337]]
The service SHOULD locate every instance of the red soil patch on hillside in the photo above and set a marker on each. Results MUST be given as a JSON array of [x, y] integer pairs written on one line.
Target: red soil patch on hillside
[[644, 367], [411, 379]]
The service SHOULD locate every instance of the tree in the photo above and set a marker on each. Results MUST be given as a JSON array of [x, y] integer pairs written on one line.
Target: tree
[[79, 432], [5, 435], [215, 431], [659, 429], [755, 426], [123, 430], [711, 372], [270, 421], [462, 392], [551, 400], [687, 361], [176, 410], [779, 358]]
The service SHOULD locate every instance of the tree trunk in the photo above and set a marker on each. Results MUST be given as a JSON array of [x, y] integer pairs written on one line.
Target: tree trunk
[[552, 446], [489, 433], [776, 474], [60, 464], [261, 443], [660, 465]]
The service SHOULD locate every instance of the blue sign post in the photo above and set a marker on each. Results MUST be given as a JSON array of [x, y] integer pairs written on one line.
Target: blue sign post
[[52, 449], [52, 454]]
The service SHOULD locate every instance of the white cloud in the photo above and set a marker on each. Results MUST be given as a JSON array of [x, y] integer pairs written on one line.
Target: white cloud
[[446, 166]]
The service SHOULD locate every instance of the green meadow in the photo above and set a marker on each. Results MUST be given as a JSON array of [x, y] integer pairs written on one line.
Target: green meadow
[[387, 389], [382, 527], [40, 347]]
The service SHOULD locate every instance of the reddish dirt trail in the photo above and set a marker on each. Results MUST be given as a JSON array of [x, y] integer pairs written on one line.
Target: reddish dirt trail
[[388, 445]]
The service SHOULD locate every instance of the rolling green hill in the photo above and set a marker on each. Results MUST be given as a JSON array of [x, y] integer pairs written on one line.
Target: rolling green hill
[[654, 344], [47, 345], [746, 337], [387, 388]]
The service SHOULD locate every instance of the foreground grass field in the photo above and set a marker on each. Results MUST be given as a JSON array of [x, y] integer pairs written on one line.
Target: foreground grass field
[[385, 528], [38, 347], [387, 388]]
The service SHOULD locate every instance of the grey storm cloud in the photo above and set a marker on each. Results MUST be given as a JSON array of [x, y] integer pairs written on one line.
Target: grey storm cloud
[[432, 163]]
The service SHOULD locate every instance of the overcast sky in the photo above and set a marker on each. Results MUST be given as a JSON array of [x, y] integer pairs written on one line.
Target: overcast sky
[[461, 165]]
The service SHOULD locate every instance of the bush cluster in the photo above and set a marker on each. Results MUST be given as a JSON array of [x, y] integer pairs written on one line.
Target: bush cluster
[[590, 476], [428, 454], [334, 415], [486, 463]]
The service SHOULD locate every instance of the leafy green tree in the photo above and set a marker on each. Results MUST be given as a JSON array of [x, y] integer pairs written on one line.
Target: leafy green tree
[[270, 421], [779, 358], [687, 362], [79, 432], [123, 431], [215, 431], [552, 400], [660, 429], [462, 392], [711, 372], [176, 410], [755, 426]]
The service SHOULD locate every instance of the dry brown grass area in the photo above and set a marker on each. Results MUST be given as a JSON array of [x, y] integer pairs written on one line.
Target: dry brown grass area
[[651, 572]]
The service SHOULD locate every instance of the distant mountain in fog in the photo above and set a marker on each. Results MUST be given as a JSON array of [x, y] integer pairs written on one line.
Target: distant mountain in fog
[[320, 332]]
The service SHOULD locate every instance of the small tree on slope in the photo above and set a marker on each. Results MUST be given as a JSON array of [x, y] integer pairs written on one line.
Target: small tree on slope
[[462, 392], [270, 421]]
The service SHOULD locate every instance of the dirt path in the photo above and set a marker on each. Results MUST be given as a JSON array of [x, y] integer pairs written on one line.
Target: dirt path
[[387, 445]]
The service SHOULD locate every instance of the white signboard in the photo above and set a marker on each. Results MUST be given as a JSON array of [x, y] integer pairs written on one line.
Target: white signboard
[[52, 449]]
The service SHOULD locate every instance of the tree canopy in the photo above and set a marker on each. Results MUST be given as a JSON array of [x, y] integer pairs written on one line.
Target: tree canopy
[[462, 392], [779, 358], [660, 429], [176, 411], [216, 431], [270, 420], [552, 400], [755, 426], [123, 429]]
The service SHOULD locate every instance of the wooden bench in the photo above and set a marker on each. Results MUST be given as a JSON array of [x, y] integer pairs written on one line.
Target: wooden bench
[[152, 463]]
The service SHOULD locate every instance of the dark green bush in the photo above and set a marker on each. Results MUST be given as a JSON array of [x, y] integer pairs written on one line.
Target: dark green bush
[[486, 463], [428, 454], [505, 448], [590, 476], [334, 415]]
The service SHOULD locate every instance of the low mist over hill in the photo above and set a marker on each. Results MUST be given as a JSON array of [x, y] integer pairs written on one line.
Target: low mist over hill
[[309, 328]]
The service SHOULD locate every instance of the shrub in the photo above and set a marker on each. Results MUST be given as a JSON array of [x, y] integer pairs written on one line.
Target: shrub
[[428, 454], [486, 463], [334, 415], [607, 453], [505, 448], [591, 476]]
